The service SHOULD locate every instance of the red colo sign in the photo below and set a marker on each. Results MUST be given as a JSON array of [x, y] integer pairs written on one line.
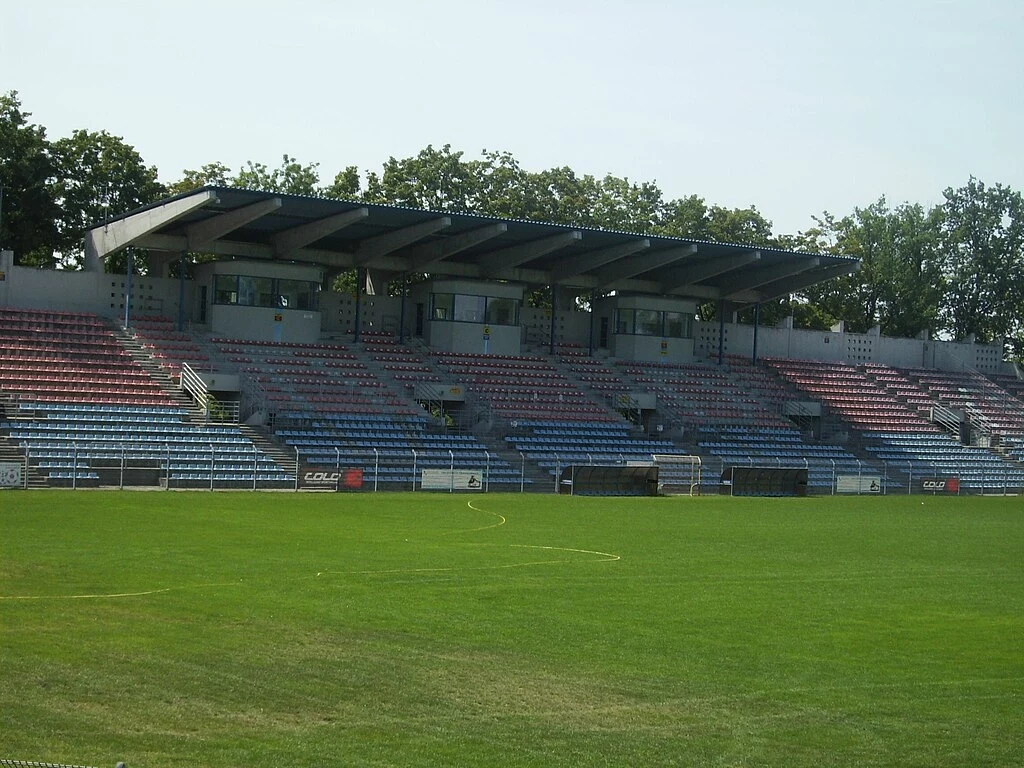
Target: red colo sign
[[329, 479], [941, 485]]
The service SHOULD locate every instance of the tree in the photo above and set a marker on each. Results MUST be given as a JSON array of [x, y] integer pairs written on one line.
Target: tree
[[29, 211], [346, 185], [981, 240], [684, 217], [213, 174], [908, 273], [97, 176], [504, 188], [899, 285], [291, 178], [435, 179]]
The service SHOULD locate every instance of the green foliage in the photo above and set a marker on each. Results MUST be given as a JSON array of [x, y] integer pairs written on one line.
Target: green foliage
[[29, 212], [270, 629], [346, 185], [213, 174], [97, 176], [291, 177], [981, 237], [956, 270]]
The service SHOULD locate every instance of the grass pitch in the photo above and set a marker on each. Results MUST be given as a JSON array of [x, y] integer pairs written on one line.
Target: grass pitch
[[248, 630]]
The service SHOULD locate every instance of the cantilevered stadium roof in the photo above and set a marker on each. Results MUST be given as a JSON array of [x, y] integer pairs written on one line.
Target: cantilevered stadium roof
[[342, 235]]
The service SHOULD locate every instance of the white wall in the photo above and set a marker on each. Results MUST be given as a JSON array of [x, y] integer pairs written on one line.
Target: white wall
[[101, 293], [262, 323], [469, 337], [652, 349], [853, 348]]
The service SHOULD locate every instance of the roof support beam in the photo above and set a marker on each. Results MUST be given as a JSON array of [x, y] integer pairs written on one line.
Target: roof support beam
[[423, 256], [705, 270], [109, 238], [288, 242], [518, 255], [767, 275], [373, 247], [786, 286], [202, 233], [583, 262], [627, 268]]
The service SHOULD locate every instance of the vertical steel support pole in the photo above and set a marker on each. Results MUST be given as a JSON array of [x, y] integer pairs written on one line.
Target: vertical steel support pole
[[128, 287], [554, 295], [721, 331], [757, 322], [401, 312], [181, 293]]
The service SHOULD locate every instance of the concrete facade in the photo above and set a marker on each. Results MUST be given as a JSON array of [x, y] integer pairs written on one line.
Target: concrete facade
[[104, 294]]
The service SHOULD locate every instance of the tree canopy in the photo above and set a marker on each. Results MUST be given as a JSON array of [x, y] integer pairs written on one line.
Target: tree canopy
[[956, 269]]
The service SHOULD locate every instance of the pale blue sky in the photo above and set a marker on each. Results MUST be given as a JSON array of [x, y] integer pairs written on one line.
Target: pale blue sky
[[795, 107]]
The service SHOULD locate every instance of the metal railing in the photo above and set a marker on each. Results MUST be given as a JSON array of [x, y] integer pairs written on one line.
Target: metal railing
[[214, 410]]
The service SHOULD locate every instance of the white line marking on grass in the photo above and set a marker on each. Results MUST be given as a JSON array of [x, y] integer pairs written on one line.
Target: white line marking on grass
[[111, 595], [605, 558], [608, 557]]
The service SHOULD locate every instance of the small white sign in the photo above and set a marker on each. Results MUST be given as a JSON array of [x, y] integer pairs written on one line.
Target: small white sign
[[858, 484], [10, 474], [446, 479]]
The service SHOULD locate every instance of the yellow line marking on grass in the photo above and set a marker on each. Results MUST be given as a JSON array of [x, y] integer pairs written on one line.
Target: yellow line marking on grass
[[501, 521]]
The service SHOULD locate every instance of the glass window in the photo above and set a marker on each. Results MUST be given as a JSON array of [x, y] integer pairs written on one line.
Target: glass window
[[256, 291], [441, 306], [648, 322], [624, 321], [297, 294], [502, 311], [469, 309], [678, 325], [225, 289]]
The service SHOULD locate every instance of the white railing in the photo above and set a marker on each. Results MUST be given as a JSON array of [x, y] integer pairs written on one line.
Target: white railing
[[222, 411]]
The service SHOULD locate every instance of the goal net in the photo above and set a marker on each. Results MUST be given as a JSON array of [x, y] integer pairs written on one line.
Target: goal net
[[678, 475]]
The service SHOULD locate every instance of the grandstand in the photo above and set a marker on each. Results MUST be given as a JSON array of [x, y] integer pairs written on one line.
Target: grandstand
[[253, 373]]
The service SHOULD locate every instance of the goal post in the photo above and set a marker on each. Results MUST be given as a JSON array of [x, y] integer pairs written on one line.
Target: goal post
[[678, 475]]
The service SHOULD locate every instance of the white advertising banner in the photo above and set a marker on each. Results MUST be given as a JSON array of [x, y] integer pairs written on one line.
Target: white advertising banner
[[858, 484], [10, 474], [457, 480]]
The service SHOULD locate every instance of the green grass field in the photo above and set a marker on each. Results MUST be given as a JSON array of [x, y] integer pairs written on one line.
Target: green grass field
[[234, 629]]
